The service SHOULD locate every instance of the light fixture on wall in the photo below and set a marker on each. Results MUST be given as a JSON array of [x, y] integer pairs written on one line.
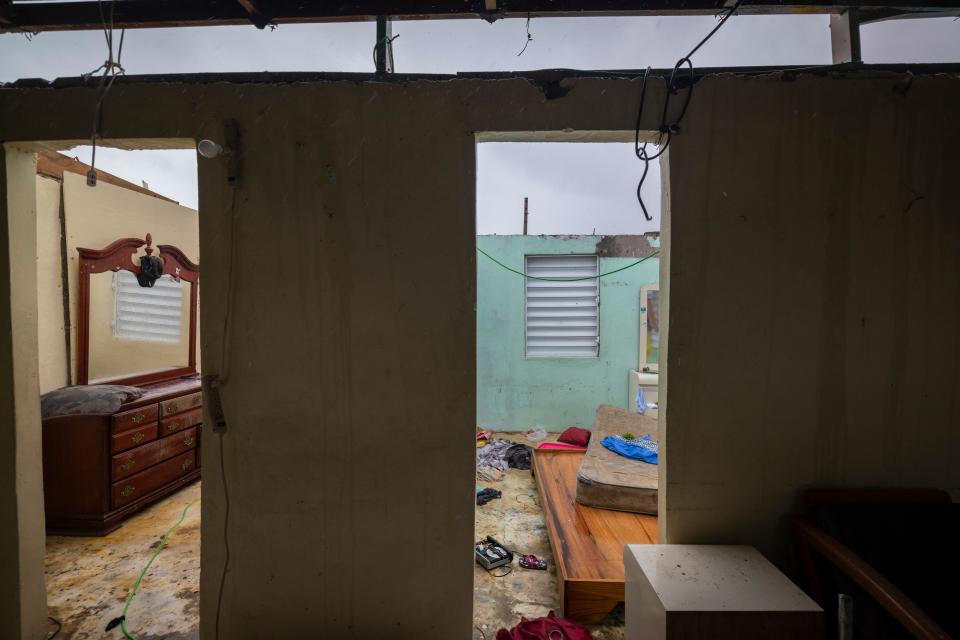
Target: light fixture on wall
[[229, 150], [209, 149]]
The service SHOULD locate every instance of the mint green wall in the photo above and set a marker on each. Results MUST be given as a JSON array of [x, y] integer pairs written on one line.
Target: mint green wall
[[515, 392]]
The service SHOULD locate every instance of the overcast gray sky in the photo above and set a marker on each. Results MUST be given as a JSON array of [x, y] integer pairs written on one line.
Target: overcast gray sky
[[572, 188]]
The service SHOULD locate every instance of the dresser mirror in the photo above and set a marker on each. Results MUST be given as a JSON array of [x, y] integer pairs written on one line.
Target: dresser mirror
[[128, 333]]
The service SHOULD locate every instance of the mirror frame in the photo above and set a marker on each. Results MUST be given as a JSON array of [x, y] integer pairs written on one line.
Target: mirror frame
[[118, 256]]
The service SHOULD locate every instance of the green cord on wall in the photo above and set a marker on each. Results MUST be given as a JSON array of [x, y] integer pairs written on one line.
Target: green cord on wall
[[521, 273], [136, 585]]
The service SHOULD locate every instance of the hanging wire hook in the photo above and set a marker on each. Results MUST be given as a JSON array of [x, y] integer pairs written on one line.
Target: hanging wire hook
[[668, 128], [111, 69], [529, 37]]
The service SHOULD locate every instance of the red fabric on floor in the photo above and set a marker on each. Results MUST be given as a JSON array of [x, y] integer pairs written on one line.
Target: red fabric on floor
[[541, 628], [560, 445], [575, 435]]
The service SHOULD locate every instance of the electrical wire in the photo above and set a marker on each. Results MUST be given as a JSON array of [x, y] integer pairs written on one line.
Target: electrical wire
[[601, 275], [504, 574], [224, 377], [386, 41], [57, 630], [111, 69], [226, 539], [529, 37], [668, 129], [122, 620]]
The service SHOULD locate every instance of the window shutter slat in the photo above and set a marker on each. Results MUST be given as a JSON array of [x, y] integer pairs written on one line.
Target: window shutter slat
[[562, 316], [151, 314]]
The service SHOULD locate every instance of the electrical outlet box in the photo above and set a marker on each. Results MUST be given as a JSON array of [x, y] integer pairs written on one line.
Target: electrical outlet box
[[211, 400]]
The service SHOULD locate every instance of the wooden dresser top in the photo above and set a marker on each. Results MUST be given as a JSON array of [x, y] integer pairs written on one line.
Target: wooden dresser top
[[158, 391]]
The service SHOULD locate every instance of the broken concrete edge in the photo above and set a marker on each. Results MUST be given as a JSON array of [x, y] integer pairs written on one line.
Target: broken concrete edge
[[539, 77]]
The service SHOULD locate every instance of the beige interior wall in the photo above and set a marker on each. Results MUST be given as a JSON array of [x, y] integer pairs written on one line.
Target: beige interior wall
[[96, 217], [52, 343], [814, 279], [23, 598], [796, 207]]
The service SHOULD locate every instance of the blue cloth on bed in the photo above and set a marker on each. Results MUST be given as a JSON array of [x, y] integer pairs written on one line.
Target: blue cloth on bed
[[644, 449]]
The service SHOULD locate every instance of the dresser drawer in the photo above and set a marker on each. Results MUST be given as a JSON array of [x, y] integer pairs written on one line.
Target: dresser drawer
[[178, 443], [140, 484], [180, 421], [133, 438], [134, 418], [136, 460], [183, 403]]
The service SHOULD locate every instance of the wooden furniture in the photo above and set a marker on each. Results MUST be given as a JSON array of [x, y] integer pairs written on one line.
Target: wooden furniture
[[100, 469], [687, 592], [119, 256], [587, 542], [903, 516]]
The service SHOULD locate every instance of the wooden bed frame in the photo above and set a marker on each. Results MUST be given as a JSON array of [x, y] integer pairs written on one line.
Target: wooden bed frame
[[813, 541], [587, 542]]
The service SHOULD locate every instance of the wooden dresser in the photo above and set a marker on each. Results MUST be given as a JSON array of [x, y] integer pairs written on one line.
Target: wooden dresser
[[100, 469]]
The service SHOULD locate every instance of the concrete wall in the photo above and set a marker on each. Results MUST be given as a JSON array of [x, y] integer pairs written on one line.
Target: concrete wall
[[796, 206], [515, 392], [95, 217], [54, 363], [814, 284], [23, 598]]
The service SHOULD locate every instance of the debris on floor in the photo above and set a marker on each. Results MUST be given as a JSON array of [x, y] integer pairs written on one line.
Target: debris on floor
[[535, 435], [500, 454], [517, 521], [89, 578], [545, 628], [486, 495]]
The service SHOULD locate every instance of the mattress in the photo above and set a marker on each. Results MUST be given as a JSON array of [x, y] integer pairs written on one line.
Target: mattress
[[610, 481]]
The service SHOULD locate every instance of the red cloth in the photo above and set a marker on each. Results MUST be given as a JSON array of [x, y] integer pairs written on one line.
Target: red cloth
[[541, 628], [575, 435], [560, 445]]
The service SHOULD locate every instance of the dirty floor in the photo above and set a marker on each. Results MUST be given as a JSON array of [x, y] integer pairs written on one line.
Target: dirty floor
[[517, 521], [88, 579]]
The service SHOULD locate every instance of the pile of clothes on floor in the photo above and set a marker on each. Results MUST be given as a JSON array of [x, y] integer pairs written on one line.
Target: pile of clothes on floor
[[494, 457], [500, 454], [550, 627]]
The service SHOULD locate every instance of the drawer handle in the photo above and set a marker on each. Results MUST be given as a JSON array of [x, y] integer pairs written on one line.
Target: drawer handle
[[137, 418], [172, 407], [138, 436], [188, 441], [128, 491], [127, 464], [173, 426], [186, 464]]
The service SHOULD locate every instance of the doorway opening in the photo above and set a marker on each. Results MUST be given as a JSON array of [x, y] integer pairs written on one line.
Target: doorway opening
[[568, 344], [119, 362]]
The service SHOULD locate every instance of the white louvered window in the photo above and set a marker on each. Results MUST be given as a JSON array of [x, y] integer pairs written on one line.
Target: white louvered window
[[147, 313], [562, 317]]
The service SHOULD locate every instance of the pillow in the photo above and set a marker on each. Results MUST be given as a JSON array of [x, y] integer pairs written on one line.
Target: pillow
[[95, 399], [575, 435]]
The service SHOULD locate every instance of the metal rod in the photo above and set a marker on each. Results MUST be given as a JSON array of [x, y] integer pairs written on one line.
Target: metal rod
[[383, 51], [526, 213]]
